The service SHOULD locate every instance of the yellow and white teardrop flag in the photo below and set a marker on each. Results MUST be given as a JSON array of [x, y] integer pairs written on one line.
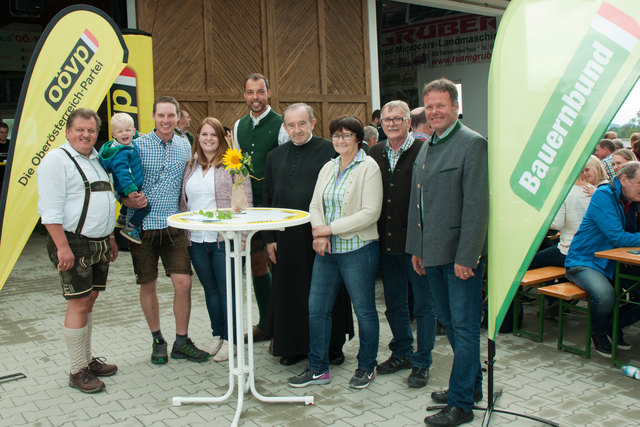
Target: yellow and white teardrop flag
[[79, 55], [559, 73]]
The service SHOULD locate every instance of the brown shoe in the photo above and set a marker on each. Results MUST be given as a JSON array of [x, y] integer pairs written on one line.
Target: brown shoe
[[258, 335], [85, 381], [101, 369]]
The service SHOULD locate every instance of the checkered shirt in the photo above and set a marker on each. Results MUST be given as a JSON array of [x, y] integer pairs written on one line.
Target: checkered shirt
[[333, 197], [608, 166], [393, 156], [162, 166]]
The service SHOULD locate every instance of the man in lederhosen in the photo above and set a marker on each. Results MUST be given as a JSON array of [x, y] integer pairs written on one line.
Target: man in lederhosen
[[77, 206]]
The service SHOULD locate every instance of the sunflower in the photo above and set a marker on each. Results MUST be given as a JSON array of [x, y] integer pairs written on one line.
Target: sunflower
[[232, 159]]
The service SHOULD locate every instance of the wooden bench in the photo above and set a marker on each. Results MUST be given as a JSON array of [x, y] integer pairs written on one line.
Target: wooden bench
[[532, 280], [568, 292]]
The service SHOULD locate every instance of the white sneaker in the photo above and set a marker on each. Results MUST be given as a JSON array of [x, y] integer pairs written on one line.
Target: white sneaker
[[215, 346], [223, 353]]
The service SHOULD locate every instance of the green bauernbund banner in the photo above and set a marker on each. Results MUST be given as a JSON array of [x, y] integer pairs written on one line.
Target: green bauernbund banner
[[559, 73], [80, 54]]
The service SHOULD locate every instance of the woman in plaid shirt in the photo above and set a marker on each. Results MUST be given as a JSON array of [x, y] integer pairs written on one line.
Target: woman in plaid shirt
[[344, 212]]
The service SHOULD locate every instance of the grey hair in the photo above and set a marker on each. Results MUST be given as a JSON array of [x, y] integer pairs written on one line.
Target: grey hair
[[630, 169], [370, 132], [299, 105], [398, 104]]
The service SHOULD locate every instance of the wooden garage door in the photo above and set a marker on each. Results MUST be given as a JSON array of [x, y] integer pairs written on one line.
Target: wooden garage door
[[313, 51]]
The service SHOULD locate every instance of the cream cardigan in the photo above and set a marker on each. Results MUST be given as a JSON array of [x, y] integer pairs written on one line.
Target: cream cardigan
[[362, 201]]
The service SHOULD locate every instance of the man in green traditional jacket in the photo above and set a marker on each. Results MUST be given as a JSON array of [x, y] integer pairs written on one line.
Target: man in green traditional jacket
[[256, 134]]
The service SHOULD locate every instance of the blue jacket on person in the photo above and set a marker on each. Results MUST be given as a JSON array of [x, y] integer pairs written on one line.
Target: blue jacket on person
[[123, 162], [602, 228]]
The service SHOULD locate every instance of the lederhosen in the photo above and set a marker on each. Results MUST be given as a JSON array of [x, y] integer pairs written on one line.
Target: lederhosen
[[88, 251]]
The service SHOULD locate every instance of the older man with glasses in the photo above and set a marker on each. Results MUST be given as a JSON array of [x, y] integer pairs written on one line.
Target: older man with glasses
[[395, 159]]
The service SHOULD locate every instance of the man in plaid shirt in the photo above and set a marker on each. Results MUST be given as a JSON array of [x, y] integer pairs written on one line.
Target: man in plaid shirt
[[163, 155]]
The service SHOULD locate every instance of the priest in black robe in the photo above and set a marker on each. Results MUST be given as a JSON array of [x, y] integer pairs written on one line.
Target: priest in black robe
[[290, 175]]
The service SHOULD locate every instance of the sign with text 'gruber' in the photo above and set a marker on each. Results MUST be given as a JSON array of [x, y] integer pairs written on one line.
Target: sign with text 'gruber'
[[555, 84], [76, 60]]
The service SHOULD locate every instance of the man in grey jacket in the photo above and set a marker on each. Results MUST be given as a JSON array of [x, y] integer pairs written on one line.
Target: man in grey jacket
[[447, 238]]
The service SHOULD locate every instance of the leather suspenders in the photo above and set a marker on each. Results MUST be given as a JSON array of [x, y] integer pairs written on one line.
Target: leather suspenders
[[88, 189]]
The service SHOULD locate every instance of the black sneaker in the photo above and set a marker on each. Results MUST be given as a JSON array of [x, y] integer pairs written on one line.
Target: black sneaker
[[449, 416], [622, 344], [188, 351], [159, 354], [418, 377], [442, 397], [361, 379], [393, 364], [602, 345]]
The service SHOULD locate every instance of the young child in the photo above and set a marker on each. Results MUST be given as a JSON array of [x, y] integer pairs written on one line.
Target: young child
[[120, 157]]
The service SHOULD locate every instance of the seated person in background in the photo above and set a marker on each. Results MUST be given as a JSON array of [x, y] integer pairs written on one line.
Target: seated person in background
[[570, 216], [593, 172], [121, 159], [603, 228], [604, 150], [567, 221], [620, 157], [634, 141]]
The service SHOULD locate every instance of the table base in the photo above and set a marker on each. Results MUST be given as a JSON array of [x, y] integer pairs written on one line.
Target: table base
[[244, 374]]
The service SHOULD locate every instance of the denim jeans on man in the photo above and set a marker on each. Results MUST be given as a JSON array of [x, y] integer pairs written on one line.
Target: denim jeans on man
[[208, 260], [601, 296], [458, 306], [397, 275], [549, 257], [358, 271]]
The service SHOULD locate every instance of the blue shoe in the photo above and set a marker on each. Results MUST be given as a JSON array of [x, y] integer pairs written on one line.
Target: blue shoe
[[132, 234]]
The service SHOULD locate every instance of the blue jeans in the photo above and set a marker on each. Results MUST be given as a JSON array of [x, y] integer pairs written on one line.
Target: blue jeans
[[458, 306], [138, 216], [397, 274], [548, 257], [208, 261], [601, 296], [358, 271]]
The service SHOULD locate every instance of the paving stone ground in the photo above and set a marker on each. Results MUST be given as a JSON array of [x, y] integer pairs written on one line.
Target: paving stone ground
[[535, 378]]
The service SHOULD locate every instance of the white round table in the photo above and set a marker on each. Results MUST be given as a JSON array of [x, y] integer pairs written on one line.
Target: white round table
[[250, 220]]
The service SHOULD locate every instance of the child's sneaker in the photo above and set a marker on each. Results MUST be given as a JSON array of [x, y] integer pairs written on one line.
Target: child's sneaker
[[121, 221], [132, 234]]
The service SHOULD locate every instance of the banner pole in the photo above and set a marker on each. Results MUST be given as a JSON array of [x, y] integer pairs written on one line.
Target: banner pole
[[492, 396]]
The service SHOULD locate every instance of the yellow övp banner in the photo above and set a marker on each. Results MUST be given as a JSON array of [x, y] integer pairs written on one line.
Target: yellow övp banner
[[76, 60], [132, 92], [556, 82]]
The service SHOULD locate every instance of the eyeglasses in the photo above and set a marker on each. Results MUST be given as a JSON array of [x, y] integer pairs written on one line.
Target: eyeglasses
[[344, 136], [395, 120]]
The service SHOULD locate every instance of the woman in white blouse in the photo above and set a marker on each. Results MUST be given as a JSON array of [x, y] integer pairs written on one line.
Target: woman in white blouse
[[570, 214], [207, 185]]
